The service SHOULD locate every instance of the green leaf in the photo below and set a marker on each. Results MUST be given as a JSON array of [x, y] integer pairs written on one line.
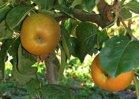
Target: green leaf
[[85, 4], [62, 2], [89, 4], [6, 44], [1, 2], [13, 51], [64, 7], [136, 81], [68, 42], [133, 5], [3, 11], [33, 87], [25, 62], [16, 15], [70, 25], [76, 2], [119, 55], [95, 96], [23, 72], [44, 4], [56, 92], [122, 2], [86, 38], [72, 46], [5, 32], [6, 86], [19, 77], [101, 38], [125, 13]]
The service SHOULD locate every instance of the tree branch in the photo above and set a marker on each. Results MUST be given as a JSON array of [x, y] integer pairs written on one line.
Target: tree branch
[[85, 16], [62, 17], [104, 18]]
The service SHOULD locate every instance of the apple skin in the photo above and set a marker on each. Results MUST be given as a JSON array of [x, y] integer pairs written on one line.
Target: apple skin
[[40, 34], [108, 83]]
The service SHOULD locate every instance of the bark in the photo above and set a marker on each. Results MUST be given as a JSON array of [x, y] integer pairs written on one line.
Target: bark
[[103, 19], [52, 69]]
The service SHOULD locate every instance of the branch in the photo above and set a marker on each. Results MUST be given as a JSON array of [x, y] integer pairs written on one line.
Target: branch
[[103, 19], [85, 16], [101, 5], [129, 31], [62, 17], [22, 1]]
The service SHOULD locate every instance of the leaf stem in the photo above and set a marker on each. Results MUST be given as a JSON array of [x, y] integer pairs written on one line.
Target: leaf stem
[[136, 80], [63, 61]]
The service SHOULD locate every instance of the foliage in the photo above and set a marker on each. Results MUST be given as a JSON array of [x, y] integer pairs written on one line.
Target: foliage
[[87, 28]]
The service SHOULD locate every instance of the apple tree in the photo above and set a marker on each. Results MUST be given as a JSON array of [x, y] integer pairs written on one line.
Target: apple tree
[[87, 27]]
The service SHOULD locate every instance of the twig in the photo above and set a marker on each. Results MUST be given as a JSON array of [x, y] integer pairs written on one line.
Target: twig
[[129, 31], [62, 17], [103, 19]]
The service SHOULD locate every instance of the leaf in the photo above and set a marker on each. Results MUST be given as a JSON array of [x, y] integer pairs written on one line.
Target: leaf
[[62, 2], [101, 38], [72, 45], [133, 5], [70, 25], [1, 3], [20, 78], [89, 4], [44, 4], [13, 51], [95, 96], [67, 41], [85, 4], [136, 81], [3, 11], [6, 86], [76, 2], [23, 72], [64, 7], [25, 62], [16, 15], [122, 2], [33, 87], [56, 92], [6, 44], [81, 93], [86, 39], [119, 55], [125, 13], [5, 32]]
